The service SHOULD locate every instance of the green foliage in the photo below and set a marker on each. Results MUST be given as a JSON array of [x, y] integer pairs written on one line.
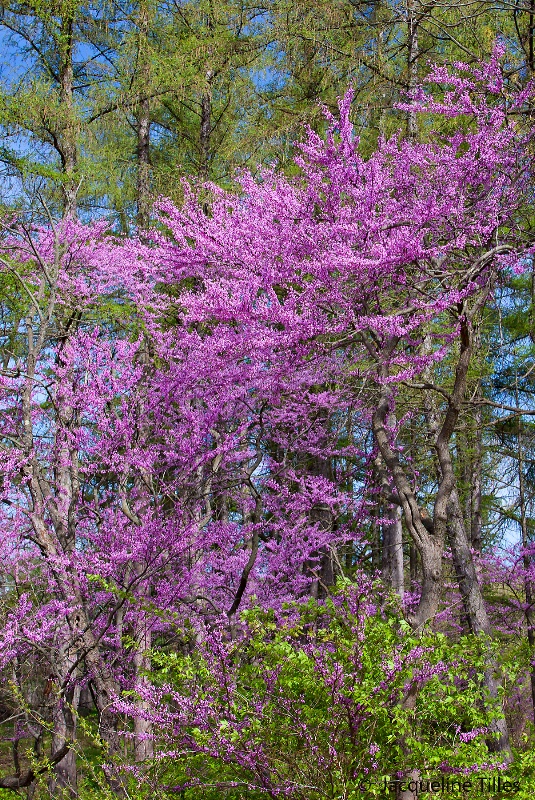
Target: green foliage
[[324, 700]]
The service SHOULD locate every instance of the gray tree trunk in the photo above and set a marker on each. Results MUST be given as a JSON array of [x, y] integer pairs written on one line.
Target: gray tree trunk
[[393, 574]]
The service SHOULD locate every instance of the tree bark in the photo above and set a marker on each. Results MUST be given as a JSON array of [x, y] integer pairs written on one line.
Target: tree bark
[[64, 781], [475, 613], [67, 138], [143, 118], [528, 586], [392, 570], [325, 571], [412, 63], [143, 742], [205, 133], [205, 129], [392, 563], [52, 499], [476, 488], [430, 543]]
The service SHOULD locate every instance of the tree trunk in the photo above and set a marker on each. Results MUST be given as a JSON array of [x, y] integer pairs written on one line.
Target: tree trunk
[[143, 118], [325, 571], [528, 587], [412, 63], [67, 137], [531, 36], [205, 133], [64, 781], [105, 691], [393, 546], [143, 742], [392, 568], [475, 612], [428, 539], [413, 563], [205, 129], [476, 486], [411, 779]]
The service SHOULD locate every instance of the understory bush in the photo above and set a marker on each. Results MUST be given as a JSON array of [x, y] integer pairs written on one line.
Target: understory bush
[[320, 699]]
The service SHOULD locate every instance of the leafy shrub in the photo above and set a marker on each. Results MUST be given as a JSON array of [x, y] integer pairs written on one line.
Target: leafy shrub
[[310, 701]]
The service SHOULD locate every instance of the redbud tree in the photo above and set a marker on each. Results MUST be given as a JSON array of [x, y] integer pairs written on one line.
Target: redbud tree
[[207, 419]]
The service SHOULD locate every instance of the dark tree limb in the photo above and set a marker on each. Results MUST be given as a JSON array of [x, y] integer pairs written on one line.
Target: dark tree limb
[[15, 782]]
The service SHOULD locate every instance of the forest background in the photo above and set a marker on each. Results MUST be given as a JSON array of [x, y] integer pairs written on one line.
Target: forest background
[[263, 611]]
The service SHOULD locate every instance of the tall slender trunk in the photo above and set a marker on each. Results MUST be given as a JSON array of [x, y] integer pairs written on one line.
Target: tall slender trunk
[[376, 544], [531, 36], [142, 633], [476, 488], [67, 138], [105, 690], [413, 563], [53, 497], [392, 566], [325, 571], [392, 563], [143, 742], [429, 535], [205, 133], [143, 117], [64, 781], [396, 538], [412, 63], [474, 612], [474, 482], [528, 585], [205, 129], [429, 540]]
